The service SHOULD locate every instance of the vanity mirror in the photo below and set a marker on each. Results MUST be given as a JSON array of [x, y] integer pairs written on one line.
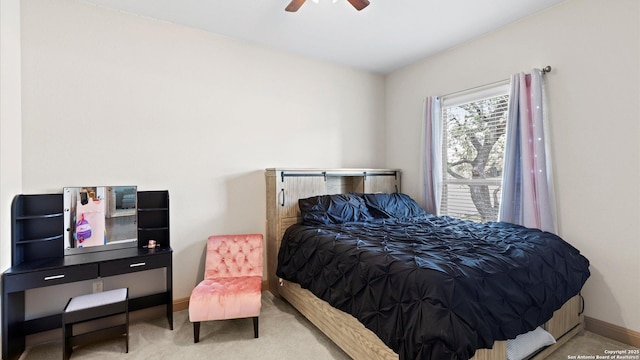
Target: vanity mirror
[[98, 218]]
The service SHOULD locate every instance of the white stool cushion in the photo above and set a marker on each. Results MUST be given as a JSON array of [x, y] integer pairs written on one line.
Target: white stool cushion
[[96, 299]]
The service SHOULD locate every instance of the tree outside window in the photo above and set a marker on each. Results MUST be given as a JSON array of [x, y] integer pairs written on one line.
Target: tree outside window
[[473, 153]]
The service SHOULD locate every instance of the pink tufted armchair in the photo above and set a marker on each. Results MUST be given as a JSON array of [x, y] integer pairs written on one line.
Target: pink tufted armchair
[[232, 284]]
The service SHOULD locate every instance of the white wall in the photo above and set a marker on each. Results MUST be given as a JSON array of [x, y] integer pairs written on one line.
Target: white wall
[[594, 49], [111, 98], [10, 121]]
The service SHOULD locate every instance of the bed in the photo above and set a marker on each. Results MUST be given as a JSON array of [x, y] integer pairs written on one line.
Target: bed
[[384, 279]]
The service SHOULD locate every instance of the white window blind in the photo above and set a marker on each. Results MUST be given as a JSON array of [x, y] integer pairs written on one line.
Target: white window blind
[[474, 131]]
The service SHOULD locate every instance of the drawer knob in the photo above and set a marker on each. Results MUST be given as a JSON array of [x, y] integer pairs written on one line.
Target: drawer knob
[[53, 277]]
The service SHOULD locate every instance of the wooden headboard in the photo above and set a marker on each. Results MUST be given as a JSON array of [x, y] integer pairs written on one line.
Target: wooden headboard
[[286, 186]]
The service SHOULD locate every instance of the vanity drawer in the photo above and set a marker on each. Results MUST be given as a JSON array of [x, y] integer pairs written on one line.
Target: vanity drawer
[[126, 266], [37, 279]]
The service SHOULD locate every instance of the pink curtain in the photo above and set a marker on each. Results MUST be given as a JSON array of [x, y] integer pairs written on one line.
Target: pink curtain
[[527, 182]]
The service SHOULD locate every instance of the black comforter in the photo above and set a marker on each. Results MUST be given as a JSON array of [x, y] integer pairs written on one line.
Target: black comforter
[[435, 287]]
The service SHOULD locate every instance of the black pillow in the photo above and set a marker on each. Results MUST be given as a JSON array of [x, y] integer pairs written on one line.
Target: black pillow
[[333, 209], [393, 205]]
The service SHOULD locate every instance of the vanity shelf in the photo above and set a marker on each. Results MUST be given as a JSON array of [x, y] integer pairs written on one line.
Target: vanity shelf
[[37, 230], [153, 218], [37, 227]]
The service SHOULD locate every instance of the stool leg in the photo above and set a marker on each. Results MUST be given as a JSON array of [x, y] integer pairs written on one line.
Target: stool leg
[[127, 327], [255, 327], [196, 332], [66, 346]]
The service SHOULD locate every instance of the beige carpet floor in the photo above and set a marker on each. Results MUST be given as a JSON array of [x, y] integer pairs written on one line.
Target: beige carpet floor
[[284, 334]]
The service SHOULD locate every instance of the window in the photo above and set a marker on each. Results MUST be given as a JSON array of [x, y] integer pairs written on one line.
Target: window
[[474, 131]]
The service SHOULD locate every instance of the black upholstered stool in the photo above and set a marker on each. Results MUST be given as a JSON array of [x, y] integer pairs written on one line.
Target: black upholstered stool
[[90, 307]]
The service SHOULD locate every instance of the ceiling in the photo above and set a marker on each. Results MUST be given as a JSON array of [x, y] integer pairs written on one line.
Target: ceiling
[[383, 37]]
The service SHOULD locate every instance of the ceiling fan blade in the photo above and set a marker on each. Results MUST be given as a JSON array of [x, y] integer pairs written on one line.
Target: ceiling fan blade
[[359, 4], [294, 5]]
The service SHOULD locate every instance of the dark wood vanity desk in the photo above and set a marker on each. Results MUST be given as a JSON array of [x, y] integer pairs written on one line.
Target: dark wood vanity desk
[[18, 279], [37, 271]]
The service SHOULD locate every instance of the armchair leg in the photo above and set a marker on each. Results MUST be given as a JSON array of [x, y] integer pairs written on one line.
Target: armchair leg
[[196, 332], [255, 327]]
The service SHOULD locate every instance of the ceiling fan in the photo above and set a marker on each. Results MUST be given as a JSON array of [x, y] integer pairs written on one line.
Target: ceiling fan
[[294, 5]]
